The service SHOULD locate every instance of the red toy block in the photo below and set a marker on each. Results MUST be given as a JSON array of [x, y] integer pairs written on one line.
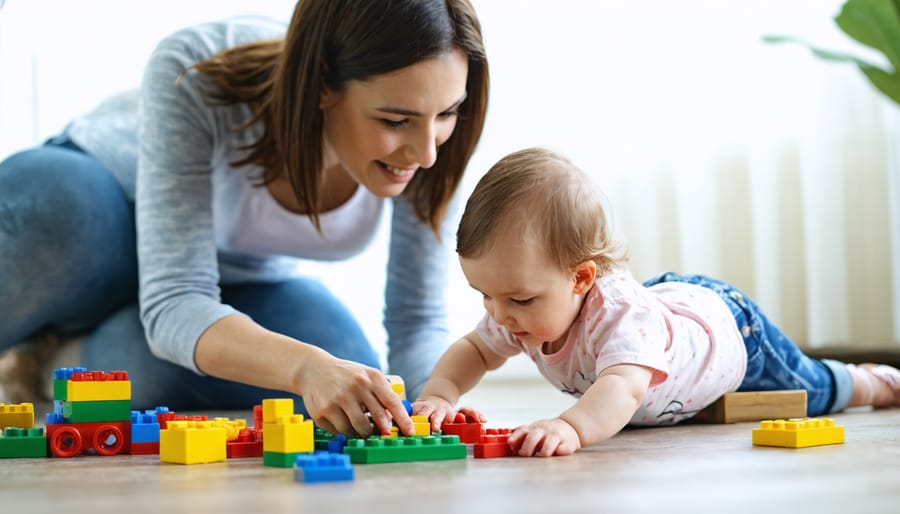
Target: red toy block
[[98, 376], [145, 448], [257, 417], [469, 430], [105, 438], [493, 444], [248, 444], [165, 417]]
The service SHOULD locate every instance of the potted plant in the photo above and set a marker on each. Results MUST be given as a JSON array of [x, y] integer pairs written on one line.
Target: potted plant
[[874, 23]]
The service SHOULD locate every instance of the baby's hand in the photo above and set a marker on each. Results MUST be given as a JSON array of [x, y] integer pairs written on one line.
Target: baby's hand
[[544, 438], [440, 410]]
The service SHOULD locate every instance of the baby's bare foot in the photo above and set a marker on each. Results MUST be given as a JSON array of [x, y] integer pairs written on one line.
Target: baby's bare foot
[[880, 385]]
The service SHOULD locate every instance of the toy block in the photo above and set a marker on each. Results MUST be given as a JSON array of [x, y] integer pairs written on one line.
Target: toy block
[[248, 443], [17, 415], [165, 417], [104, 438], [798, 433], [404, 449], [492, 444], [322, 467], [421, 425], [61, 378], [148, 448], [289, 434], [397, 385], [274, 408], [468, 430], [90, 386], [89, 412], [144, 428], [755, 406], [18, 442], [278, 459], [257, 417], [337, 444], [232, 427], [192, 442]]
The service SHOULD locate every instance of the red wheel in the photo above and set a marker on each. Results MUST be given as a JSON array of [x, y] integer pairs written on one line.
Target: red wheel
[[108, 440], [65, 442]]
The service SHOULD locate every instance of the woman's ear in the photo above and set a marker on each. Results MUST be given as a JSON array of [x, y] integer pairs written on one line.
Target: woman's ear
[[585, 275]]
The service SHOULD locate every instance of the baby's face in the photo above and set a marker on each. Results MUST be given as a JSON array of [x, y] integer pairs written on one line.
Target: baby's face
[[525, 291]]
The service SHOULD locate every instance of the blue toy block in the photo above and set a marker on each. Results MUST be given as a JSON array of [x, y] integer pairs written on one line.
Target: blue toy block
[[322, 467], [337, 444], [144, 427]]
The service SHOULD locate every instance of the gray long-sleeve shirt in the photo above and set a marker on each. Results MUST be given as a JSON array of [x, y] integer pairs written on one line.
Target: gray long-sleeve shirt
[[201, 222]]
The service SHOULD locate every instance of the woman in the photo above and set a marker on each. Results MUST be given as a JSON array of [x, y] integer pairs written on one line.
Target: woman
[[255, 147]]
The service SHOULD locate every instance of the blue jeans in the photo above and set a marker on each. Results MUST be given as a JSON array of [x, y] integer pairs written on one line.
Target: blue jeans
[[68, 262], [774, 362]]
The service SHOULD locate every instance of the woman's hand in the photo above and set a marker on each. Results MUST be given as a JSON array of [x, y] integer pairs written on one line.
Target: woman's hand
[[338, 394], [544, 438]]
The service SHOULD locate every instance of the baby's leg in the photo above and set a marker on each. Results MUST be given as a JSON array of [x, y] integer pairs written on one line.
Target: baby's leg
[[877, 385]]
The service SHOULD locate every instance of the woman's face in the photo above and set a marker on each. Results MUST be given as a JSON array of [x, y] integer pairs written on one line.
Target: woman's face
[[381, 131]]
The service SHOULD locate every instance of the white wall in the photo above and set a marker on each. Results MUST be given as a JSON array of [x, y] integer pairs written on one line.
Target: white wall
[[622, 87]]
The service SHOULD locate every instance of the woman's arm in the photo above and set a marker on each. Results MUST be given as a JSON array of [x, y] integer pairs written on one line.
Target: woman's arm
[[415, 314]]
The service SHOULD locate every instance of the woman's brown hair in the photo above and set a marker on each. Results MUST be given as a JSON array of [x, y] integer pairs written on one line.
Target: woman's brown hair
[[332, 42]]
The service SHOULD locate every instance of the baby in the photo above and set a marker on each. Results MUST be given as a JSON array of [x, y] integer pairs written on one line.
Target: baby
[[535, 241]]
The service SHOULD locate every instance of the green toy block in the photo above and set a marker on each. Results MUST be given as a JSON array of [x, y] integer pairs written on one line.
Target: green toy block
[[60, 389], [404, 449], [279, 460], [90, 412], [23, 442]]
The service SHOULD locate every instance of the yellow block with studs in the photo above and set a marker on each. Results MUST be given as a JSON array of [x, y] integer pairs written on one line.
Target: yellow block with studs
[[798, 433], [16, 415], [275, 408], [288, 434], [192, 442]]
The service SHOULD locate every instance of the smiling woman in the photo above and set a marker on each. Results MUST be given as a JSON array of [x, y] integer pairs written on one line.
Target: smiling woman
[[256, 145]]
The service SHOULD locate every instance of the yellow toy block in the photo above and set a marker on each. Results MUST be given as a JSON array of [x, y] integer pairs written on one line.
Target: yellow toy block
[[289, 434], [232, 427], [798, 433], [421, 424], [99, 390], [277, 407], [192, 442], [19, 416], [397, 385]]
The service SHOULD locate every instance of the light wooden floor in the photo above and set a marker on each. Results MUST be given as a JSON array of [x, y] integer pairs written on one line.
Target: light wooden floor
[[689, 468]]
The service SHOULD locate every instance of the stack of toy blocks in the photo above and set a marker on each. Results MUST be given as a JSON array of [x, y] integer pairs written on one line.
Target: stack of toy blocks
[[92, 411], [145, 429], [192, 442], [18, 437], [285, 434], [798, 433]]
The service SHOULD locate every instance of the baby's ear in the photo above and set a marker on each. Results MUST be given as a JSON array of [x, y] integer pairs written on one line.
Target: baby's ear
[[585, 275]]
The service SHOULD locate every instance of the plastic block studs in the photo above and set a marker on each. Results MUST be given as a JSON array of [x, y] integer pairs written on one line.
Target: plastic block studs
[[404, 449], [798, 433], [192, 442], [16, 415], [322, 467], [22, 442]]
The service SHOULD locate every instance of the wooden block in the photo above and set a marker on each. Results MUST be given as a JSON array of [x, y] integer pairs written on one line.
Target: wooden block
[[755, 406]]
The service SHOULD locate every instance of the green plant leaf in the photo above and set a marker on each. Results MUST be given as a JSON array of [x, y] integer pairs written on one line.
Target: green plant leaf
[[887, 83], [874, 23]]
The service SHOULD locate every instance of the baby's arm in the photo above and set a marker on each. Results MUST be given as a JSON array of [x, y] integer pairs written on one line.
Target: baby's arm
[[458, 370], [603, 410]]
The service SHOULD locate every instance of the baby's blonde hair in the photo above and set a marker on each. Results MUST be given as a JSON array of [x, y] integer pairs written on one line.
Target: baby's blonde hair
[[546, 197]]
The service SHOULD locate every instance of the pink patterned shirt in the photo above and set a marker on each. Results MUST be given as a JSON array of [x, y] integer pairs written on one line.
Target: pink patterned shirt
[[685, 333]]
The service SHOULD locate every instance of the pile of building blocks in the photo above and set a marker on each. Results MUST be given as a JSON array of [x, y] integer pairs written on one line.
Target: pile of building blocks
[[19, 437], [798, 433]]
